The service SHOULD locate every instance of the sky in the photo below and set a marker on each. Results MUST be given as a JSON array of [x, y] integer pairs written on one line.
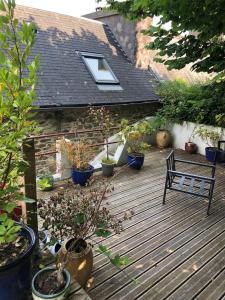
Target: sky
[[69, 7]]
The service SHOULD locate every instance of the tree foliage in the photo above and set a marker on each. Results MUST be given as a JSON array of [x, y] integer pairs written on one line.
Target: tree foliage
[[17, 93], [196, 34]]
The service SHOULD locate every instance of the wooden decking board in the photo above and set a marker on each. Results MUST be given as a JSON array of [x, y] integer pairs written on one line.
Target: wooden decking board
[[148, 219], [143, 259], [188, 275], [152, 237], [208, 266], [215, 288], [158, 210], [151, 276], [153, 232], [120, 243], [144, 252]]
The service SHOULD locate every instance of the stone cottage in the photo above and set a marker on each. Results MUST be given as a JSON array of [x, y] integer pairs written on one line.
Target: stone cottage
[[81, 64]]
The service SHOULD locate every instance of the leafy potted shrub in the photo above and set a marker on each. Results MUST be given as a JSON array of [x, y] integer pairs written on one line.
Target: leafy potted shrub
[[102, 118], [74, 216], [135, 138], [212, 137], [17, 93], [46, 182], [79, 154]]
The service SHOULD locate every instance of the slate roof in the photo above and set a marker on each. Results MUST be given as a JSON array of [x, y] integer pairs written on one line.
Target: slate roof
[[63, 77]]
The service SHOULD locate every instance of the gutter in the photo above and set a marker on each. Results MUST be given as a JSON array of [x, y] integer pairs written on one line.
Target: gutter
[[61, 107]]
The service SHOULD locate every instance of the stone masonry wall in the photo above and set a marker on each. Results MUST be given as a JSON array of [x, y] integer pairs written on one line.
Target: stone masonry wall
[[77, 119]]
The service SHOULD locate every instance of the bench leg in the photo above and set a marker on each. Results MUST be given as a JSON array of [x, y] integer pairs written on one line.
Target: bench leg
[[210, 198], [164, 194]]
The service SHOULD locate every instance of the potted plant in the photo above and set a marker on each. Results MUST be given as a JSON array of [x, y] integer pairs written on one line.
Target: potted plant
[[46, 182], [17, 93], [163, 136], [51, 283], [212, 137], [135, 137], [103, 119], [191, 147], [74, 216], [79, 154]]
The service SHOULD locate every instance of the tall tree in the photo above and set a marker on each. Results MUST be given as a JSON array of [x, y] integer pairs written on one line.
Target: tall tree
[[195, 35]]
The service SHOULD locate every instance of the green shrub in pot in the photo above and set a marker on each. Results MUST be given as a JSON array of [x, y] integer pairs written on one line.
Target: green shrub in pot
[[103, 118], [17, 94]]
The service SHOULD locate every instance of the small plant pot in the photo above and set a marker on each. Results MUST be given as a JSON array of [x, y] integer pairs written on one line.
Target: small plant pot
[[15, 277], [54, 249], [78, 264], [107, 169], [37, 295], [81, 176], [163, 138], [135, 160], [191, 148]]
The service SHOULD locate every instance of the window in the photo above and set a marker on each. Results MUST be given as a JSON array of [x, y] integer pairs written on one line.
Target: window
[[99, 68]]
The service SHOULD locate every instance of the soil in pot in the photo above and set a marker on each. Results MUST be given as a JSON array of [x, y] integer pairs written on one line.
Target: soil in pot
[[50, 282], [10, 252], [79, 260]]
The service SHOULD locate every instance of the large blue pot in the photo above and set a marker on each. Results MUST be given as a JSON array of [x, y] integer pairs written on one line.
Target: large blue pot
[[15, 277], [135, 160], [81, 176], [215, 154]]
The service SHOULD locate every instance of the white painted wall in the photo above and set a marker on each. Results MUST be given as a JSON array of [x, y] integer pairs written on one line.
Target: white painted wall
[[182, 132]]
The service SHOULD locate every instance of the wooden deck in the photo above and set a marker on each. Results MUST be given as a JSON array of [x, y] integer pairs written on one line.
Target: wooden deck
[[177, 252]]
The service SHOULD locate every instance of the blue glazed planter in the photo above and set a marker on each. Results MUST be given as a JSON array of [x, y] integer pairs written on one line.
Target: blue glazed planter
[[81, 176], [135, 160], [210, 153], [15, 277]]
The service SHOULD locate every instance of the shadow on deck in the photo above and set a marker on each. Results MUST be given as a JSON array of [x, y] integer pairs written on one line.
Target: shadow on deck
[[177, 252]]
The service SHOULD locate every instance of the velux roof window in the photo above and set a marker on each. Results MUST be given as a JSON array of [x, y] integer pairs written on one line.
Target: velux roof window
[[99, 68]]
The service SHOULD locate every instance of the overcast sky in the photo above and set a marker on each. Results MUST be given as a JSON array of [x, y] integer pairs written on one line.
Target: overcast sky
[[69, 7]]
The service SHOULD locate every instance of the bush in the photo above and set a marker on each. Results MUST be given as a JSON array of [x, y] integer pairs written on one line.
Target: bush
[[199, 103]]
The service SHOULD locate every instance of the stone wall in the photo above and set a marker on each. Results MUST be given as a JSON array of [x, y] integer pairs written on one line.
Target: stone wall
[[77, 119]]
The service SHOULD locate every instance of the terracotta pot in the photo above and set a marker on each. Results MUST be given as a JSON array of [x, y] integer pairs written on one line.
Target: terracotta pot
[[163, 138], [191, 148], [78, 264]]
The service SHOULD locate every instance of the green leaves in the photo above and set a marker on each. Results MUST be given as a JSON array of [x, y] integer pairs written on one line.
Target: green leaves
[[195, 35], [17, 93], [8, 229], [79, 219], [117, 260]]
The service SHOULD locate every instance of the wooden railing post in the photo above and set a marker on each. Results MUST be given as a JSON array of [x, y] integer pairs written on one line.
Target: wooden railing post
[[30, 184]]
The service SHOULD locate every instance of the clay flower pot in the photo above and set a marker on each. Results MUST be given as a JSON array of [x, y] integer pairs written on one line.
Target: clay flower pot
[[78, 264], [191, 148], [163, 138]]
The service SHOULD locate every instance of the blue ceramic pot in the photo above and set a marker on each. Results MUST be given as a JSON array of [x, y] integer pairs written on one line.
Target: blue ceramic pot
[[210, 153], [15, 277], [135, 160], [81, 176]]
